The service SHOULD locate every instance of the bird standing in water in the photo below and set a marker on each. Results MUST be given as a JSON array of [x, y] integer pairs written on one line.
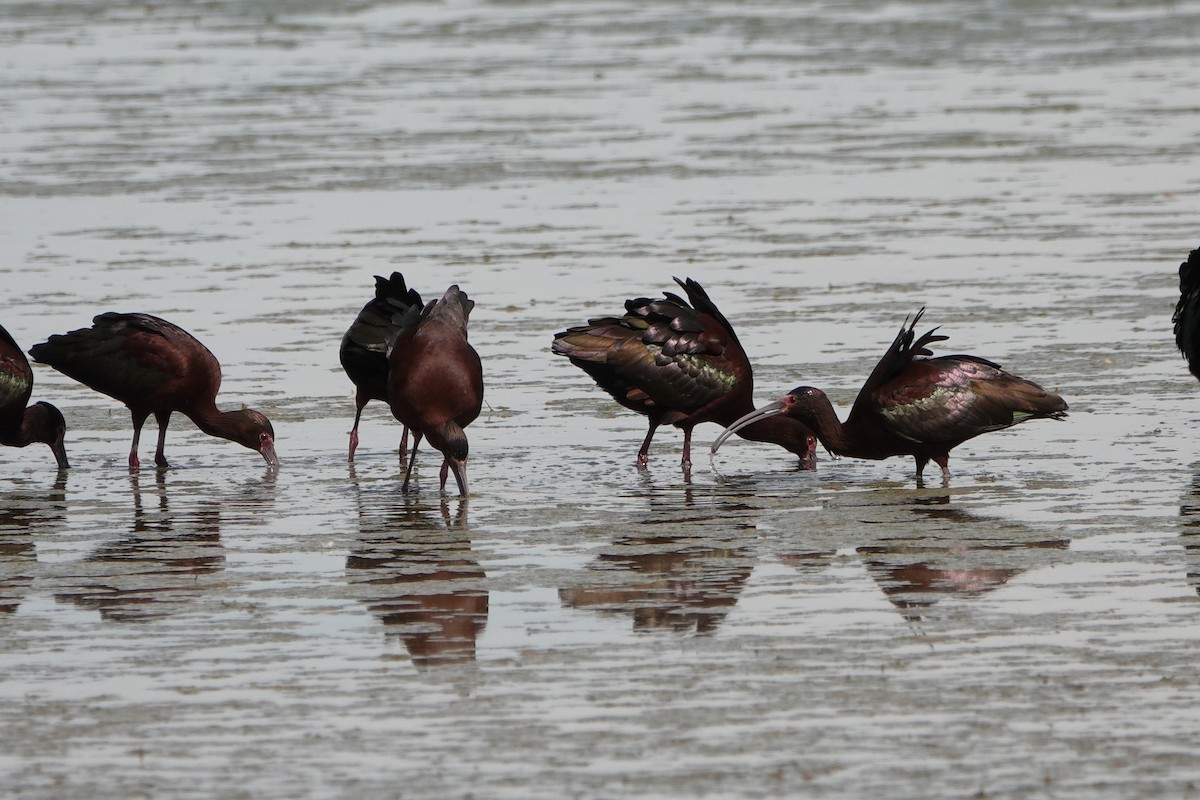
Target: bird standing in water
[[915, 405], [1187, 312], [364, 347], [22, 424], [435, 386], [154, 367], [679, 365]]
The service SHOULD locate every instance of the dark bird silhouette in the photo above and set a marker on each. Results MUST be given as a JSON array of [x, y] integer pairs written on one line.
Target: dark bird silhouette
[[154, 367], [679, 365], [1187, 312], [22, 424], [364, 347], [915, 405], [435, 386]]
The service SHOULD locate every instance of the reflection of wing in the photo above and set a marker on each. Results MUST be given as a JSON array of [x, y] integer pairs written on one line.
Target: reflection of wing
[[951, 552], [21, 515], [155, 571], [426, 587], [18, 557], [665, 583]]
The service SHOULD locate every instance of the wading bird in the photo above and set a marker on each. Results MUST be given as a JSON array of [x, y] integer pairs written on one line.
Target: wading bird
[[915, 405], [364, 347], [22, 424], [679, 365], [435, 386], [1187, 312], [154, 367]]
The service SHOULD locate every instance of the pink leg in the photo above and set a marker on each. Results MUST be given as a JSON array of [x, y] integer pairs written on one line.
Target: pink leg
[[163, 420], [412, 461], [643, 457], [943, 461], [138, 422], [354, 432], [134, 461]]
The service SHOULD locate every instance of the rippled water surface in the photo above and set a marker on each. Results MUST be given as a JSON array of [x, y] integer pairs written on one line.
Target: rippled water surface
[[579, 629]]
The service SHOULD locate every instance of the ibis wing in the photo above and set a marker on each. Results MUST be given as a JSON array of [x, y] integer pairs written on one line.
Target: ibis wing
[[659, 354], [381, 319], [123, 355], [1187, 312], [16, 378], [954, 398], [899, 355]]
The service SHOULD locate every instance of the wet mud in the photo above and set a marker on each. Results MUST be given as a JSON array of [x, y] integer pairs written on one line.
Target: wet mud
[[578, 628]]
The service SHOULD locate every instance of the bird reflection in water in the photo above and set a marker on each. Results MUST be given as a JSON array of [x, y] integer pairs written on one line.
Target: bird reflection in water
[[1189, 512], [677, 582], [950, 553], [164, 562], [21, 512], [413, 567]]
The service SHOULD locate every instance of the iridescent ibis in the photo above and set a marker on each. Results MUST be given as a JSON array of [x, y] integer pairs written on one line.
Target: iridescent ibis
[[680, 365], [364, 347], [154, 367], [22, 424], [915, 405], [435, 386], [1187, 312]]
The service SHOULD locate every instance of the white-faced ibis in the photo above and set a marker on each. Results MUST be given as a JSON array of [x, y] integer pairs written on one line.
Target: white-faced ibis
[[22, 424], [1187, 312], [364, 347], [154, 367], [915, 405], [679, 365], [435, 386]]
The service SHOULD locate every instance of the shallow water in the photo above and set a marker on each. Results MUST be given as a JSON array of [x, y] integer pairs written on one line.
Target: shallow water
[[580, 629]]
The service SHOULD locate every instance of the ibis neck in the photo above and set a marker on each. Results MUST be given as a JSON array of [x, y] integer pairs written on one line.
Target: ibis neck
[[215, 422], [836, 437]]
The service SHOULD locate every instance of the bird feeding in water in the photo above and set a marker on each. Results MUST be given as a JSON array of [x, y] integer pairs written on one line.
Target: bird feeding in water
[[22, 424], [915, 405], [154, 367], [680, 365], [435, 386], [1187, 312], [364, 346]]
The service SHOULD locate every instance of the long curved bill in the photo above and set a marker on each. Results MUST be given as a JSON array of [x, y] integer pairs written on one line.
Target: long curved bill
[[459, 468], [60, 453], [769, 410], [268, 452]]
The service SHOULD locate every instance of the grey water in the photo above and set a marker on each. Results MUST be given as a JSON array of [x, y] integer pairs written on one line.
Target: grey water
[[577, 628]]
